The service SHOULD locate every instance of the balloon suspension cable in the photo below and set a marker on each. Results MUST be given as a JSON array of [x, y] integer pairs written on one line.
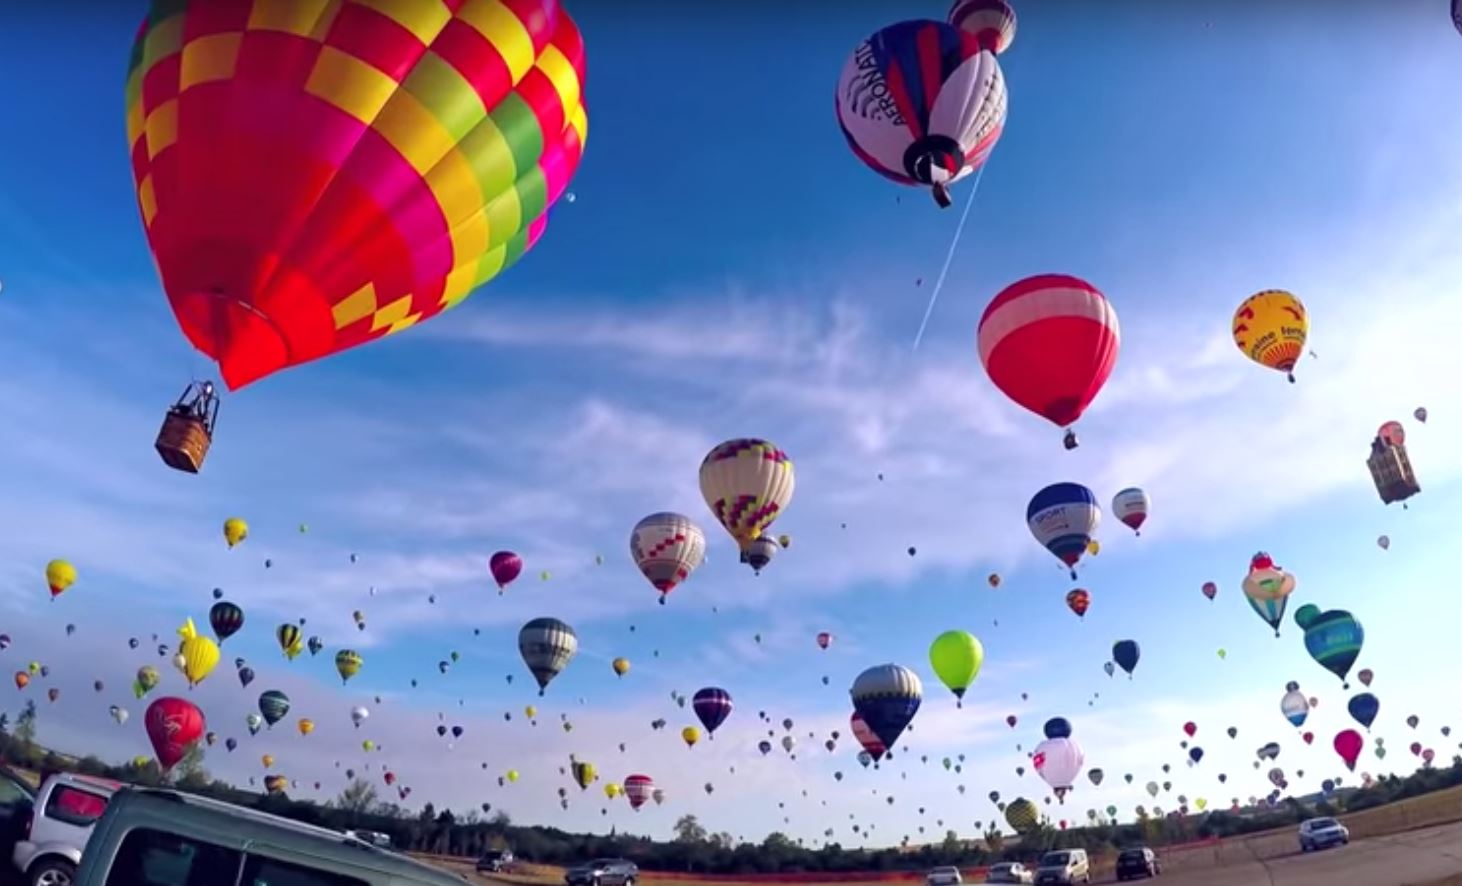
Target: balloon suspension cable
[[949, 256]]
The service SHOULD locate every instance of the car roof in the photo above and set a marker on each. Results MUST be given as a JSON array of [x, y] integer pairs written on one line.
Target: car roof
[[239, 826]]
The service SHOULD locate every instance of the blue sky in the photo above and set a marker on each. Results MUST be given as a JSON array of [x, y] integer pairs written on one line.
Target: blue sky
[[726, 269]]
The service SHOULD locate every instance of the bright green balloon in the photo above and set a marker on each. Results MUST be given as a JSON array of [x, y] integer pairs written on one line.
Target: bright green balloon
[[956, 657]]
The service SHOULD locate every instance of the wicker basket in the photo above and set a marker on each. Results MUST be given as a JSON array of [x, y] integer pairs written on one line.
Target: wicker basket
[[183, 442]]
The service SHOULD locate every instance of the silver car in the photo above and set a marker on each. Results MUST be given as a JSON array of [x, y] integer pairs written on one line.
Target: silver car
[[1009, 872], [1317, 833], [602, 872], [945, 876], [66, 809]]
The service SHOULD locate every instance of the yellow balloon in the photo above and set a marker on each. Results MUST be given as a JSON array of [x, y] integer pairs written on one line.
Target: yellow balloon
[[267, 760], [199, 653], [530, 711], [60, 575], [235, 531], [348, 663], [306, 726], [512, 775], [1093, 547], [690, 735], [611, 790], [368, 745], [621, 666], [1270, 327]]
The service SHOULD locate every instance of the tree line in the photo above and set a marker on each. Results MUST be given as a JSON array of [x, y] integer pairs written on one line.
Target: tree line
[[693, 849]]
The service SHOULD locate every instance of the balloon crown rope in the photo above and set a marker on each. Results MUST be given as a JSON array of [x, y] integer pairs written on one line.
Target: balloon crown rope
[[949, 256]]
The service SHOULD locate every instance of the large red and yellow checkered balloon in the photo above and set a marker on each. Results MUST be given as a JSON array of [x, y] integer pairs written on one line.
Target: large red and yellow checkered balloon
[[316, 174]]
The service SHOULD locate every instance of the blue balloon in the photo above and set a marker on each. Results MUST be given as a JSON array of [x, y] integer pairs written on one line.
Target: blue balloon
[[1063, 517], [1334, 639], [1058, 727], [1126, 653], [887, 697], [1364, 708]]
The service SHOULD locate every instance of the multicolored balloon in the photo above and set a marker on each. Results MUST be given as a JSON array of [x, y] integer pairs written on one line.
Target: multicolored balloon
[[1270, 328], [667, 548], [1130, 506], [887, 697], [992, 22], [747, 484], [547, 645], [1333, 638], [712, 706], [414, 167], [1267, 588], [922, 103]]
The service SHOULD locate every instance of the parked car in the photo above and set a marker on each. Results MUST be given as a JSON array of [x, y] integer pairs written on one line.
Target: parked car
[[1064, 866], [17, 802], [945, 876], [1009, 872], [1136, 863], [602, 872], [1317, 833], [495, 861], [150, 835], [66, 809]]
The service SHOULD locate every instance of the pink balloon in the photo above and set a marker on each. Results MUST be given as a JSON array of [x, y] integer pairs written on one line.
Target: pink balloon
[[505, 566], [1348, 745]]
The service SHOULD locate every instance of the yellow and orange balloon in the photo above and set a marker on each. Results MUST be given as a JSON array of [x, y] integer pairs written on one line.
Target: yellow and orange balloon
[[1271, 327]]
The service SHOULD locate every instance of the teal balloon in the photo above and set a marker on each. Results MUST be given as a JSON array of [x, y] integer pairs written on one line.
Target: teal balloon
[[1334, 639], [1306, 615]]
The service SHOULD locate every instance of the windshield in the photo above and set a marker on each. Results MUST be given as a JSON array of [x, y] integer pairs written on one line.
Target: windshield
[[1056, 859], [946, 870], [604, 862], [1323, 823], [1130, 854]]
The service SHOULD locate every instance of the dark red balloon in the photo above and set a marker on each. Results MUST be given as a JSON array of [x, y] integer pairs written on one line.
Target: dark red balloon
[[173, 725], [505, 566]]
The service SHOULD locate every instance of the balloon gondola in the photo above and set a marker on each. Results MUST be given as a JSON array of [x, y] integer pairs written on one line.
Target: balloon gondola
[[1391, 471], [187, 429]]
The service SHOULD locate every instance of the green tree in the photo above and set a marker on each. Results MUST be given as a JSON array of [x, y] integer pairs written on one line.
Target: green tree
[[358, 798], [994, 840], [25, 729], [688, 829], [188, 773]]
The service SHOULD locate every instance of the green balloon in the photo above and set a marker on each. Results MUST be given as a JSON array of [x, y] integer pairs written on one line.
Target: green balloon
[[956, 657]]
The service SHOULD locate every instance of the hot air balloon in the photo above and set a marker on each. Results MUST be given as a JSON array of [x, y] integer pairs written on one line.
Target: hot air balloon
[[922, 103], [273, 704], [1058, 761], [505, 566], [226, 620], [1294, 706], [1270, 328], [956, 657], [1049, 343], [1419, 414], [887, 696], [1363, 708], [1126, 654], [620, 666], [824, 640], [1210, 590], [583, 774], [667, 548], [1078, 601], [1365, 676], [1063, 517], [1021, 814], [747, 484], [412, 169], [198, 653], [1267, 588], [291, 641], [60, 575], [305, 726], [690, 735], [547, 646], [358, 715], [348, 663], [119, 714], [1348, 745], [147, 678], [712, 706], [1130, 506], [637, 789], [758, 553], [1390, 466], [173, 725], [992, 22], [1333, 638]]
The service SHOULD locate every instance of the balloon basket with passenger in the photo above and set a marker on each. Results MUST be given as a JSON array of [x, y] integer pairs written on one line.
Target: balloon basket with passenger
[[187, 429]]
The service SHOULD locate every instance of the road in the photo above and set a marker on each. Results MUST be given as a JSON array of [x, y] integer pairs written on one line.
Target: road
[[1406, 859]]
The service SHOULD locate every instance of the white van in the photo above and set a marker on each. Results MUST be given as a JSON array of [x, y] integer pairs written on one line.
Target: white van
[[151, 837], [1064, 866]]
